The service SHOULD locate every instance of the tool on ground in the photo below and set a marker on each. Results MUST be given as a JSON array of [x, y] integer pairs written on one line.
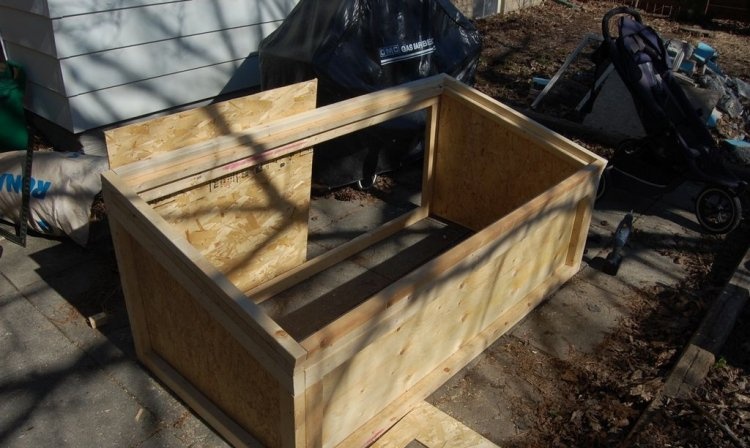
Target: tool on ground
[[620, 238]]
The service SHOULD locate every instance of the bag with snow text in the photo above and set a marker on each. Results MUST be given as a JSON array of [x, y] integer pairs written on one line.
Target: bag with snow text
[[63, 187]]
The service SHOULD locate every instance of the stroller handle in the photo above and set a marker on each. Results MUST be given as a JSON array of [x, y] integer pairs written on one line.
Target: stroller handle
[[613, 12]]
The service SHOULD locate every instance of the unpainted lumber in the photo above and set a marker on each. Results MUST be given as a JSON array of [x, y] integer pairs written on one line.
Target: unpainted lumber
[[143, 140], [207, 355], [251, 225], [388, 309], [233, 152], [352, 379], [324, 261], [483, 172], [98, 320], [504, 116], [196, 400], [373, 429], [432, 428], [260, 335], [475, 290]]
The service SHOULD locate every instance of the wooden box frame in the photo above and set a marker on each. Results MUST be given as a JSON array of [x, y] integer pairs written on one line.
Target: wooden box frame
[[526, 192]]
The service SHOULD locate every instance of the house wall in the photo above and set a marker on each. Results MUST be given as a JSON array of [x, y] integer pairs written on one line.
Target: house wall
[[91, 63]]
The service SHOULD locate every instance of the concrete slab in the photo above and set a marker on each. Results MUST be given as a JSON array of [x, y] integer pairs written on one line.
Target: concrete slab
[[575, 319], [47, 385]]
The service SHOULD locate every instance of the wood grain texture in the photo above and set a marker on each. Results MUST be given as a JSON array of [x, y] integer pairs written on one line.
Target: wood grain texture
[[143, 140], [273, 140], [258, 334], [445, 312], [251, 225], [432, 428], [349, 381], [391, 414], [483, 172], [198, 347], [189, 360]]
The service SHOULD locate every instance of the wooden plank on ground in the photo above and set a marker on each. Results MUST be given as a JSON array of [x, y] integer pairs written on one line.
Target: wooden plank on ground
[[432, 428]]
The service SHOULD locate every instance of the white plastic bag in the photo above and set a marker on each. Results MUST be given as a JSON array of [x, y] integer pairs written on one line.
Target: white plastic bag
[[63, 187]]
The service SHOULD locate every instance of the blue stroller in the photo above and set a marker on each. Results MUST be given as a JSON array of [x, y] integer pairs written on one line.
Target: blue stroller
[[678, 146]]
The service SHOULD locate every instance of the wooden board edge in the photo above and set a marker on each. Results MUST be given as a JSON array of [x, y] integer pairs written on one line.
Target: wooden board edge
[[252, 149], [430, 148], [292, 422], [133, 302]]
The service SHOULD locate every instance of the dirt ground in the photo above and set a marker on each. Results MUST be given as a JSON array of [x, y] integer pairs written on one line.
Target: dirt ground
[[599, 398]]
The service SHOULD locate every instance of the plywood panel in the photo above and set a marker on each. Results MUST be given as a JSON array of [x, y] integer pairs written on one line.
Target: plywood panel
[[88, 33], [271, 346], [139, 141], [362, 371], [432, 428], [474, 293], [484, 171], [130, 64], [251, 225], [182, 333]]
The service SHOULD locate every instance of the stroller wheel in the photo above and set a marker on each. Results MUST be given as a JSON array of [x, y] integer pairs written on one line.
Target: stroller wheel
[[718, 210]]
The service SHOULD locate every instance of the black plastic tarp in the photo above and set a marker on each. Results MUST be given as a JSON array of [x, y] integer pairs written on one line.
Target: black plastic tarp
[[355, 47]]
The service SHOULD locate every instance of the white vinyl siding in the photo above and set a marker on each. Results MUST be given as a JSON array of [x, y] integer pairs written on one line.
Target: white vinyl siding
[[91, 63]]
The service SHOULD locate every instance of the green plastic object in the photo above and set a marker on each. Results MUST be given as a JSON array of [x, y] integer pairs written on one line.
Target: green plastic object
[[13, 132]]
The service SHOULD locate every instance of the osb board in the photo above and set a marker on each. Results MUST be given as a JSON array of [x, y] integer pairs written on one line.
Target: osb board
[[183, 334], [252, 225], [140, 141], [447, 313], [483, 170], [432, 428]]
